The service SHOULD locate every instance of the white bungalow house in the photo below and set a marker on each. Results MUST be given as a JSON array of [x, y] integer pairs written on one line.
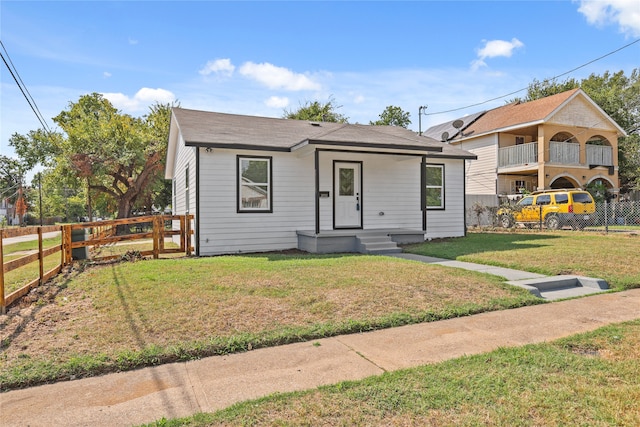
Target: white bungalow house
[[560, 141], [257, 184]]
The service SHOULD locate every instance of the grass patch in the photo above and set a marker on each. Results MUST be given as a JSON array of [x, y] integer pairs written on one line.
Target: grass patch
[[15, 279], [122, 248], [544, 384], [31, 245], [127, 315], [612, 257]]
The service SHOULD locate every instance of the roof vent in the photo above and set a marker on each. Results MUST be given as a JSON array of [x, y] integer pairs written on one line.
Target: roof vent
[[314, 124]]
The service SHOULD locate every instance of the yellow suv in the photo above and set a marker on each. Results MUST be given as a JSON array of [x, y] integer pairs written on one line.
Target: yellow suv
[[554, 208]]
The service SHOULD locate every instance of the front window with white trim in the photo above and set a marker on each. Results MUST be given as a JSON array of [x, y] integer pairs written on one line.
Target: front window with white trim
[[435, 186], [254, 184]]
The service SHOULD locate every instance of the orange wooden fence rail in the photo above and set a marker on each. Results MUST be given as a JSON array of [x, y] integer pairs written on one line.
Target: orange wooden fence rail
[[101, 233]]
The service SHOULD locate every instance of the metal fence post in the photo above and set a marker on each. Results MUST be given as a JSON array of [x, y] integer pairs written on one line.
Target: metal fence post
[[606, 217], [40, 256], [540, 216]]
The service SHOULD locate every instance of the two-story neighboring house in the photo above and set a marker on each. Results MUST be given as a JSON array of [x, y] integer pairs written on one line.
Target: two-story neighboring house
[[561, 141]]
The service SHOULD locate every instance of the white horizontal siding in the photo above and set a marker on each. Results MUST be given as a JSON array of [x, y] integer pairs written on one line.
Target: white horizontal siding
[[185, 156], [481, 174], [224, 230], [391, 186], [450, 221]]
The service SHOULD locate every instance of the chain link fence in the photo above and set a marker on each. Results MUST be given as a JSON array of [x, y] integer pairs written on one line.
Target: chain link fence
[[609, 216], [616, 216]]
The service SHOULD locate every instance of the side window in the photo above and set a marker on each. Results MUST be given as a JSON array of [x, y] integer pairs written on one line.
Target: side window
[[582, 198], [527, 201], [543, 199], [254, 184], [435, 186], [562, 199]]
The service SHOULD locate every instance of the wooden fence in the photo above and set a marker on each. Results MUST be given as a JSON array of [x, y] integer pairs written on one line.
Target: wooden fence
[[93, 234]]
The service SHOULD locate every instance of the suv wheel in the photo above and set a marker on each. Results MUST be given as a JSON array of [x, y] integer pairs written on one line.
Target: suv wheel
[[506, 221], [552, 222]]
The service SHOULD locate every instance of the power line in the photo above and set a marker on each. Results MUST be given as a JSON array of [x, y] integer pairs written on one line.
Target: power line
[[552, 78], [23, 88]]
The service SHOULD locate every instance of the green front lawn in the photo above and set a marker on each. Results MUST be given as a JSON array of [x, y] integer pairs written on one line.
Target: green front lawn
[[127, 315], [613, 257]]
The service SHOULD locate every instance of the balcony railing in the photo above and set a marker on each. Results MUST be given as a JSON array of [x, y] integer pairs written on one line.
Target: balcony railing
[[600, 155], [518, 155], [565, 153]]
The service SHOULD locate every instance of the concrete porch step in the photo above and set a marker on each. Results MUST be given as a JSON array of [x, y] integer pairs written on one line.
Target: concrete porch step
[[377, 244]]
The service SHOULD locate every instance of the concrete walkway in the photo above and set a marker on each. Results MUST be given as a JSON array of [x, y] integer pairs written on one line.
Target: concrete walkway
[[182, 389], [507, 273], [547, 287]]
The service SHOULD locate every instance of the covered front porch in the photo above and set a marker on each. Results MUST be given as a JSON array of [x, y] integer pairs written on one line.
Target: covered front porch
[[374, 241]]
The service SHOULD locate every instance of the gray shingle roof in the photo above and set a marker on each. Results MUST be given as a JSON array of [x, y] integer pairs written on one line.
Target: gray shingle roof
[[436, 132], [210, 129]]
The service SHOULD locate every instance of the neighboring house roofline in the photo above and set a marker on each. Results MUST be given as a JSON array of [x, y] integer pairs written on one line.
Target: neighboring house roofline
[[533, 113], [504, 129], [593, 104]]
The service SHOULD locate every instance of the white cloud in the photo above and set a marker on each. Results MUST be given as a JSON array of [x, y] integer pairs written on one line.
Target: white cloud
[[222, 67], [495, 48], [277, 102], [277, 77], [133, 41], [624, 13], [106, 74], [144, 98]]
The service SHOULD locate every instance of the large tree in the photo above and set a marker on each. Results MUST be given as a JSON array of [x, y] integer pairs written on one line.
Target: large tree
[[317, 112], [619, 96], [393, 116], [11, 177], [116, 155]]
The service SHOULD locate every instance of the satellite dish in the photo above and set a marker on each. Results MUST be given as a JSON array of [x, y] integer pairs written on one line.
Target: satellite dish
[[457, 124], [445, 136]]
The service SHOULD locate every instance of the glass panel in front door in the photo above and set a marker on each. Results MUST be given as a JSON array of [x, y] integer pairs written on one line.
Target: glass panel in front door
[[347, 181]]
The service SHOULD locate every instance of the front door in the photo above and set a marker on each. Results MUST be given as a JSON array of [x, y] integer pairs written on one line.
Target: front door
[[347, 209]]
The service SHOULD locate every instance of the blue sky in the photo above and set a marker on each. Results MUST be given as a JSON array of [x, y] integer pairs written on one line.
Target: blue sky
[[260, 58]]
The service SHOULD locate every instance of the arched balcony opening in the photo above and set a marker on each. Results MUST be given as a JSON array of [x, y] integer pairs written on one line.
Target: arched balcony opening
[[599, 151], [564, 148], [564, 182]]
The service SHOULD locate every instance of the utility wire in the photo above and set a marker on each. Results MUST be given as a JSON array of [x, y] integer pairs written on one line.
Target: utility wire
[[552, 78], [23, 88]]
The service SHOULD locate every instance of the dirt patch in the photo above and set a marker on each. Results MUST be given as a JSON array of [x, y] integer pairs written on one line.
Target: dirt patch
[[34, 319]]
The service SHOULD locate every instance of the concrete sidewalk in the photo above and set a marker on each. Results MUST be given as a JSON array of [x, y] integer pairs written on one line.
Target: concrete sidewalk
[[182, 389]]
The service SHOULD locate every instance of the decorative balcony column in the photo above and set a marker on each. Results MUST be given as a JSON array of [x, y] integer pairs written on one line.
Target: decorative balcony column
[[543, 157]]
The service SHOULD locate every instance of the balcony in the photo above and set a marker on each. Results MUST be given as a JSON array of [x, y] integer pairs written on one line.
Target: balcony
[[565, 153], [599, 155], [518, 155]]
